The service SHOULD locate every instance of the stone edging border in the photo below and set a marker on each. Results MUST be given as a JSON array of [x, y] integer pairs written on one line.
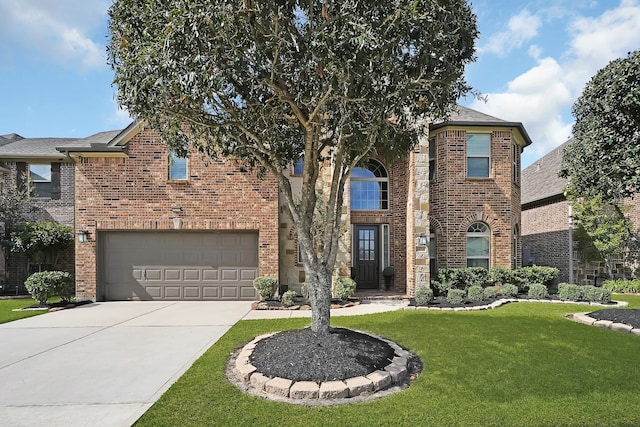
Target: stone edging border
[[503, 301], [394, 373], [607, 324]]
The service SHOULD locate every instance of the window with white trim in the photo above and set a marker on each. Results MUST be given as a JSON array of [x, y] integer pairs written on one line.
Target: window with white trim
[[432, 159], [478, 245], [369, 187], [516, 162], [178, 167], [478, 155], [298, 167], [433, 252]]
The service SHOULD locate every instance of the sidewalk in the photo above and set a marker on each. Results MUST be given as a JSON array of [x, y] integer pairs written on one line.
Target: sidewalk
[[365, 307]]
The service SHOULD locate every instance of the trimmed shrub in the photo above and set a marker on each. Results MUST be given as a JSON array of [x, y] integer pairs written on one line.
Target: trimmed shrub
[[500, 276], [424, 296], [593, 294], [475, 293], [304, 290], [509, 290], [537, 274], [455, 296], [265, 286], [538, 291], [569, 292], [621, 286], [46, 284], [490, 292], [289, 298], [344, 287]]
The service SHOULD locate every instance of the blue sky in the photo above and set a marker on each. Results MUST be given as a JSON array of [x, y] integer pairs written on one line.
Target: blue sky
[[534, 58]]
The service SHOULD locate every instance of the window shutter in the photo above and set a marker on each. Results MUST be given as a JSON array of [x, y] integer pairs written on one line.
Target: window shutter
[[55, 181], [21, 175]]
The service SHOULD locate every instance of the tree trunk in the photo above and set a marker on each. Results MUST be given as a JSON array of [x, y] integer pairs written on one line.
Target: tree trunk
[[319, 282]]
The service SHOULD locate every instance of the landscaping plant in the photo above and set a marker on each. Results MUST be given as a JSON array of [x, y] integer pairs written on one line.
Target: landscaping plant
[[344, 288], [47, 284], [265, 286], [289, 298], [475, 293], [538, 291], [424, 296]]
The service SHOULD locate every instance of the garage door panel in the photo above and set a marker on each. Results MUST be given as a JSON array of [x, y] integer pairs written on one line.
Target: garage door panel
[[178, 265]]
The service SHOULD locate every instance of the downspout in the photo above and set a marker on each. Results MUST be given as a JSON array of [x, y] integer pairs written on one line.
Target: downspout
[[570, 243]]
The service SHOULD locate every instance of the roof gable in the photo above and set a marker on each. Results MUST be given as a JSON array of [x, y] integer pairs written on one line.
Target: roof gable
[[540, 181]]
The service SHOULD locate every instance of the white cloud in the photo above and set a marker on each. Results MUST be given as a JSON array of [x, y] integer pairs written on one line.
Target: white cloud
[[59, 30], [119, 117], [542, 95], [521, 28]]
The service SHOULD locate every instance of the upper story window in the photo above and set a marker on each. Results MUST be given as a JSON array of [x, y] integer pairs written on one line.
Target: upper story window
[[432, 159], [370, 187], [298, 167], [478, 245], [478, 155], [40, 177], [177, 167], [516, 162]]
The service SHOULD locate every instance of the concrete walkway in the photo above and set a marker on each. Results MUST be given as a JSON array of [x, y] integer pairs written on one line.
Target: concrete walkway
[[103, 364]]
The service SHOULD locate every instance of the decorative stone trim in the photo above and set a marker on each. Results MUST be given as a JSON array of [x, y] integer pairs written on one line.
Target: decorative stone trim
[[394, 373], [503, 301], [585, 319]]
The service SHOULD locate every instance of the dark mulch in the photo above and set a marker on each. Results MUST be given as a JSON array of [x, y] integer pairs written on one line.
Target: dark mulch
[[58, 305], [441, 301], [300, 355], [628, 316]]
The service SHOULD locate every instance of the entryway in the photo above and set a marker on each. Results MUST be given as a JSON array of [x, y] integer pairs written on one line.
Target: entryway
[[367, 256]]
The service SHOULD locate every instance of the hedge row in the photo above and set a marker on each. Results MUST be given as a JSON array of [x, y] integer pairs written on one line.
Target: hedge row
[[622, 286]]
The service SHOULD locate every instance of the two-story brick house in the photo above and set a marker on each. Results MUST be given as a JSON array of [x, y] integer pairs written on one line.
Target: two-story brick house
[[162, 227]]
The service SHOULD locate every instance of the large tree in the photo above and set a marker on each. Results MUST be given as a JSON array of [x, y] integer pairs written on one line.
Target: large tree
[[333, 81], [604, 157]]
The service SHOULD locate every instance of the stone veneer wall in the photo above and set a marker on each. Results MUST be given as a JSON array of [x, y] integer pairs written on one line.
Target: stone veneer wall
[[134, 193], [457, 201]]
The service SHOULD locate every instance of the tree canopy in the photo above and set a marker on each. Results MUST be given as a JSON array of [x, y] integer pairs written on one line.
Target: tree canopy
[[271, 81], [604, 158]]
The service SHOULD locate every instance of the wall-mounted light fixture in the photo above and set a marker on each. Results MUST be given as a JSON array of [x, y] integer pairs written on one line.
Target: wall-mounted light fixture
[[83, 236], [176, 208], [422, 239]]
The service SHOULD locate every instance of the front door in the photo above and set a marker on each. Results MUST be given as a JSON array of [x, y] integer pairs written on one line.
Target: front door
[[367, 264]]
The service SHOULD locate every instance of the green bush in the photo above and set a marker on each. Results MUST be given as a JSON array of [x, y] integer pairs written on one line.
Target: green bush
[[475, 293], [490, 292], [501, 276], [46, 284], [594, 294], [265, 286], [536, 274], [289, 298], [424, 296], [621, 286], [569, 292], [538, 291], [459, 278], [455, 296], [304, 290], [344, 287], [509, 290]]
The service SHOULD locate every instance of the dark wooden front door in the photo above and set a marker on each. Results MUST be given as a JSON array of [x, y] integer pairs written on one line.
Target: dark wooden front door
[[367, 264]]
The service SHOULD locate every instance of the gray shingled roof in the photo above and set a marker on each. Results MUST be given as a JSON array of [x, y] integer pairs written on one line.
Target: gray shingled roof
[[101, 138], [464, 114], [540, 180], [13, 146]]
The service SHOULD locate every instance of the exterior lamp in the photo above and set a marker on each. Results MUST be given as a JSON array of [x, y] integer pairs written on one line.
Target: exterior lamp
[[83, 236], [176, 209], [422, 239]]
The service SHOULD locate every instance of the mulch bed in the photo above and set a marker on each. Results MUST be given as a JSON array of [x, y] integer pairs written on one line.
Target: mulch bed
[[628, 316], [301, 304], [55, 306]]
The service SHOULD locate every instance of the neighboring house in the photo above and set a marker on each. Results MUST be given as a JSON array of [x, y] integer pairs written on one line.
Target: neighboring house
[[547, 223], [51, 177], [163, 227]]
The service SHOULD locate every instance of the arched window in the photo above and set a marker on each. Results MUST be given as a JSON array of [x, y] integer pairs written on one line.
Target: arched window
[[369, 187], [478, 245]]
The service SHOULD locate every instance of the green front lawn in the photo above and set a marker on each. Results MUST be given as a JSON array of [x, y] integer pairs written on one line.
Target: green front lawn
[[519, 365], [8, 305]]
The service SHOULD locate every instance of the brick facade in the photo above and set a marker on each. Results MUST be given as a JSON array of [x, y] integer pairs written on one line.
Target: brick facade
[[134, 193], [457, 201]]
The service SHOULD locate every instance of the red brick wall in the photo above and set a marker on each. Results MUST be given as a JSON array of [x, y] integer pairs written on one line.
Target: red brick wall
[[134, 193], [457, 201]]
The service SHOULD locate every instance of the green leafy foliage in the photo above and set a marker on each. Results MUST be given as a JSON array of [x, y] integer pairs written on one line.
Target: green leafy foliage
[[595, 294], [47, 284], [289, 298], [490, 292], [475, 293], [536, 274], [42, 242], [604, 157], [538, 291], [268, 82], [570, 292], [508, 290], [424, 296], [265, 286], [456, 296], [500, 276], [623, 286], [344, 287]]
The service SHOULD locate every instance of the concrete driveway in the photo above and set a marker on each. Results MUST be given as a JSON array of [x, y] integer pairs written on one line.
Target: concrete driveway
[[103, 364]]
